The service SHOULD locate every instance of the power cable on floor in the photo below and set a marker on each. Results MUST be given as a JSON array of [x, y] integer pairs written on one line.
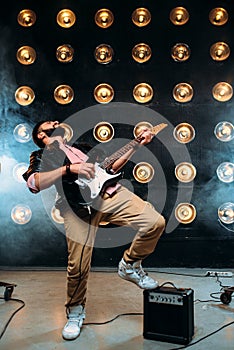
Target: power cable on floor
[[13, 314]]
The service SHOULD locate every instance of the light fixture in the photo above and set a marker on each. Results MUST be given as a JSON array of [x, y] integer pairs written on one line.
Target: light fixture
[[103, 132], [18, 170], [21, 214], [103, 93], [22, 133], [143, 172], [26, 55], [219, 51], [225, 172], [185, 172], [68, 131], [64, 53], [222, 92], [55, 214], [143, 93], [226, 213], [24, 95], [66, 18], [104, 18], [185, 213], [26, 18], [103, 53], [184, 133], [218, 16], [224, 131], [179, 16], [139, 127], [183, 92], [141, 53], [180, 52], [141, 17], [63, 94]]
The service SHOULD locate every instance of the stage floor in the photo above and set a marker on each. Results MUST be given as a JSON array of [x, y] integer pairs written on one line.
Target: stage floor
[[39, 323]]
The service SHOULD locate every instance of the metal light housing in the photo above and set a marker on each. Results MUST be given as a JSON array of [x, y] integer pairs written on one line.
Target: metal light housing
[[103, 132], [225, 172], [184, 133], [218, 16], [26, 55], [143, 93], [66, 18], [103, 53], [68, 131], [179, 16], [183, 92], [219, 51], [139, 127], [185, 213], [143, 172], [63, 94], [226, 213], [103, 93], [141, 17], [64, 53], [185, 172], [222, 92], [26, 18], [24, 95], [141, 53], [180, 52], [224, 131], [104, 18]]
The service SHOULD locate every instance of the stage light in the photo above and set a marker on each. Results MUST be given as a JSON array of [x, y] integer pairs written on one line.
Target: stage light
[[22, 133], [179, 16], [65, 53], [183, 92], [103, 93], [26, 18], [185, 172], [103, 53], [139, 127], [224, 131], [185, 213], [21, 214], [222, 92], [104, 18], [143, 93], [219, 51], [226, 213], [68, 131], [63, 94], [218, 16], [143, 172], [225, 172], [18, 170], [103, 132], [24, 95], [141, 17], [141, 53], [180, 52], [26, 55], [55, 214], [66, 18], [184, 133]]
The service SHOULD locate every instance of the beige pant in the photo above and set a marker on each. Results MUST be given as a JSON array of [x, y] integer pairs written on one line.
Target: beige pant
[[124, 209]]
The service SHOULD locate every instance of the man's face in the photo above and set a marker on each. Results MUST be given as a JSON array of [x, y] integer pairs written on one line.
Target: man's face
[[52, 128]]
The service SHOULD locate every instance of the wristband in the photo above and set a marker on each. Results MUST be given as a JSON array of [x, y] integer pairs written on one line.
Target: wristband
[[68, 170]]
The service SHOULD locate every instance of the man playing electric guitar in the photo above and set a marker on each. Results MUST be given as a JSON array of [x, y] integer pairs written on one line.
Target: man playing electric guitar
[[68, 168]]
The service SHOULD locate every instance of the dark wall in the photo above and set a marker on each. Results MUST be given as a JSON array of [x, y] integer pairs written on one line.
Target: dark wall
[[41, 242]]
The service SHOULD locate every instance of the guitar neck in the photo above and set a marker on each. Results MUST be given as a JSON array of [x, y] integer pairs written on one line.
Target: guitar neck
[[116, 155]]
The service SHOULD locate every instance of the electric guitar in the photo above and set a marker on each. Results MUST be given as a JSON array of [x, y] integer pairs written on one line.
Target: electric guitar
[[103, 178]]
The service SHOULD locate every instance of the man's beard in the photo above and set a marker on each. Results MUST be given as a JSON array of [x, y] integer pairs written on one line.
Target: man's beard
[[59, 131]]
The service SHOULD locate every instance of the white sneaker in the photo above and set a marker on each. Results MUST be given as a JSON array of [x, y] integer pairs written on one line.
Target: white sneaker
[[135, 273], [75, 317]]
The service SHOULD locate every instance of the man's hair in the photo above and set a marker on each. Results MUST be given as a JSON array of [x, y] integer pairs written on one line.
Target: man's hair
[[35, 138]]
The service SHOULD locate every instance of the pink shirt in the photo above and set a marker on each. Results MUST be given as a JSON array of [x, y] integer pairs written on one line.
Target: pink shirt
[[75, 156]]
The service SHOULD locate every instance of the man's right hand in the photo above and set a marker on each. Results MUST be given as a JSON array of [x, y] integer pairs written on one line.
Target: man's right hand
[[86, 169]]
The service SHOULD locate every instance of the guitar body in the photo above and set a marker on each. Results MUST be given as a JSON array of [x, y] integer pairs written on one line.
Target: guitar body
[[102, 179]]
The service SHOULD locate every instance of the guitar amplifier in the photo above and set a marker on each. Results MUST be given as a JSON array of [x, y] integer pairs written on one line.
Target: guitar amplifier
[[169, 315]]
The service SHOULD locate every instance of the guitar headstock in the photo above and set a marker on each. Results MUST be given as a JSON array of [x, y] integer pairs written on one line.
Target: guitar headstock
[[157, 128]]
